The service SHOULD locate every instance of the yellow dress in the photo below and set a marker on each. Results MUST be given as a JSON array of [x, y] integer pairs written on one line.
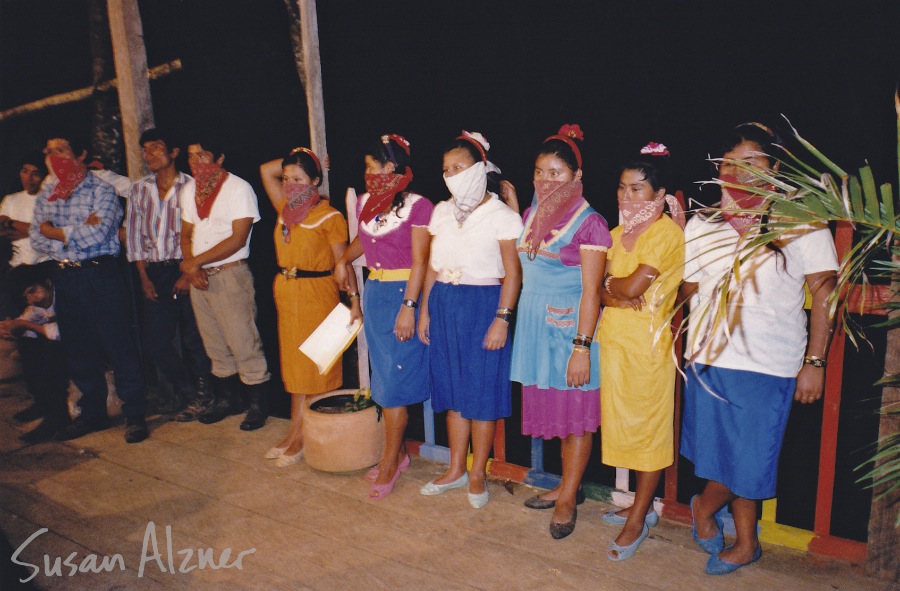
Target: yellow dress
[[637, 369], [303, 303]]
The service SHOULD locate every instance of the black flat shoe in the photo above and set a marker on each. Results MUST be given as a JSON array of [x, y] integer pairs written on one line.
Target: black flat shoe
[[561, 530], [136, 429], [81, 427], [536, 502]]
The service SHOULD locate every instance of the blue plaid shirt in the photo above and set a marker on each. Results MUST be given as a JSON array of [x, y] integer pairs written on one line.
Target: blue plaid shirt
[[82, 240]]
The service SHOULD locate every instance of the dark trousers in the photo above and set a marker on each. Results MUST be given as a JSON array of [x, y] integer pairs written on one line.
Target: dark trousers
[[93, 308], [46, 376], [162, 321]]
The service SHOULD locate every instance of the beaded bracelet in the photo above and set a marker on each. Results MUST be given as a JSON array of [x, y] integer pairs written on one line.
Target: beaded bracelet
[[606, 283]]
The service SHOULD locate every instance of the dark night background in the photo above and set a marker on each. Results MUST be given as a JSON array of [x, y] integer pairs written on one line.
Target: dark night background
[[627, 72]]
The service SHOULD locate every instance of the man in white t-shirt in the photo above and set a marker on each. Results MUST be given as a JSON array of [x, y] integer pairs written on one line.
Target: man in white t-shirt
[[17, 211], [218, 212]]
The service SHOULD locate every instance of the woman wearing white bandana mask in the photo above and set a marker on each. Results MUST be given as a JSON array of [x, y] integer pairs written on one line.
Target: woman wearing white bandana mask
[[643, 268], [470, 290], [309, 237]]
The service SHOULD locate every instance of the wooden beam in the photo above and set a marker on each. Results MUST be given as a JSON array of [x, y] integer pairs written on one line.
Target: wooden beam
[[127, 35], [312, 82], [81, 94]]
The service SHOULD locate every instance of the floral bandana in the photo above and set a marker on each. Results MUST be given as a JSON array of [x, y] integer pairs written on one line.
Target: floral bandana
[[555, 199], [299, 198], [736, 201], [382, 188], [70, 172], [467, 189], [210, 176], [637, 216]]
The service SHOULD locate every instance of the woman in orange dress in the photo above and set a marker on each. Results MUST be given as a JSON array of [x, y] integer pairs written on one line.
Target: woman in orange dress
[[309, 237]]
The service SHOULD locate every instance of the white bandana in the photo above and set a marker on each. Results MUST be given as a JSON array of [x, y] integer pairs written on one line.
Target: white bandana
[[467, 189]]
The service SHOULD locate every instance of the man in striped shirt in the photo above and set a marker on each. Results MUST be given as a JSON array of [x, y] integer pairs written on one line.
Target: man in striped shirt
[[153, 230]]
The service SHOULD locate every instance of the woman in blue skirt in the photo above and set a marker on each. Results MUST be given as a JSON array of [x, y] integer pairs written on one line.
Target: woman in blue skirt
[[470, 291], [393, 234], [745, 371]]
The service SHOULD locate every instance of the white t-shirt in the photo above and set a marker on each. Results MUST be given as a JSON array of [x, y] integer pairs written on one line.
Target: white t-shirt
[[766, 328], [236, 200], [20, 207], [472, 249]]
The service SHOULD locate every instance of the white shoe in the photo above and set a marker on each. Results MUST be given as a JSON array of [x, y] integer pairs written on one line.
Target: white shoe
[[435, 489], [479, 500], [275, 452], [285, 460]]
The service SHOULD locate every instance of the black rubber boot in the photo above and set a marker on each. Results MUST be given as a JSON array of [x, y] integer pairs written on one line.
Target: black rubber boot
[[258, 407], [228, 400], [200, 401]]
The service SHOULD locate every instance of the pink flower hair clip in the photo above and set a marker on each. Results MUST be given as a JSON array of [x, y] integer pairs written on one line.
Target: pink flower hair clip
[[655, 149]]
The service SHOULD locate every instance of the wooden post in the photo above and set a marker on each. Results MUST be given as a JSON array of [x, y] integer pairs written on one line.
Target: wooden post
[[312, 82], [127, 34]]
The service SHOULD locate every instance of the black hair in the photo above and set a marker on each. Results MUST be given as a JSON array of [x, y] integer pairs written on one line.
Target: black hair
[[298, 157], [35, 158], [758, 133], [397, 154], [22, 277], [561, 150], [156, 134], [493, 178], [75, 143], [654, 168], [204, 142]]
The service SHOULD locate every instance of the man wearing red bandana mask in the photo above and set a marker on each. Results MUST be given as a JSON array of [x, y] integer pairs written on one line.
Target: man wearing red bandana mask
[[153, 229], [76, 222], [218, 212]]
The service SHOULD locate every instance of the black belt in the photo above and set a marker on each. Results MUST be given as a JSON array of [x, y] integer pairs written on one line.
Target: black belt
[[295, 273], [94, 262], [167, 263]]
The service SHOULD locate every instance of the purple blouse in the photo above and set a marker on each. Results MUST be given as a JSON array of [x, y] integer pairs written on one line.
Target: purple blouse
[[387, 239], [593, 232]]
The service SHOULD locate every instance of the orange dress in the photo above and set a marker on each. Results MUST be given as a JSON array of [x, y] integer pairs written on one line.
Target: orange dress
[[303, 303]]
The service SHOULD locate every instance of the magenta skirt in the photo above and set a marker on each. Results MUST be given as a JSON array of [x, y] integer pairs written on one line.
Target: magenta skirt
[[549, 413]]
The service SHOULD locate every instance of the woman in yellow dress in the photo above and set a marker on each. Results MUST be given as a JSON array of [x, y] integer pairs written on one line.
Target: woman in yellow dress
[[644, 267], [309, 237]]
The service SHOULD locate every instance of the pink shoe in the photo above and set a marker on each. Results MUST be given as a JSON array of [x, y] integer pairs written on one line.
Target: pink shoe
[[372, 474], [379, 491]]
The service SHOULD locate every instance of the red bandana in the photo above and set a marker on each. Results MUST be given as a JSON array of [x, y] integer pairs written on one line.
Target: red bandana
[[555, 200], [382, 188], [299, 198], [70, 172], [210, 177], [734, 203]]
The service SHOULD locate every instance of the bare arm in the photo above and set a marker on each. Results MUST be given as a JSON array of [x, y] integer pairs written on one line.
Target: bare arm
[[593, 266], [270, 172], [339, 249], [405, 324], [240, 231], [633, 286], [342, 264], [424, 316], [509, 293], [811, 379]]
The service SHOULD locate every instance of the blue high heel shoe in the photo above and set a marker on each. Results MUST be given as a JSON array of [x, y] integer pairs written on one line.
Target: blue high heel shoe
[[712, 545], [625, 552], [717, 566]]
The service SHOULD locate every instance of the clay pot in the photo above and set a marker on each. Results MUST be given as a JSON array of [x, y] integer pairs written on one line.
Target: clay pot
[[341, 441]]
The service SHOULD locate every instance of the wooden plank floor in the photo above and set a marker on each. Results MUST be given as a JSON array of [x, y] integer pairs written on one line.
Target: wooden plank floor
[[311, 530]]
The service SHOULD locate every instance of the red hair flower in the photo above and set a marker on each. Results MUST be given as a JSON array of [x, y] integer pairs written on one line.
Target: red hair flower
[[572, 130]]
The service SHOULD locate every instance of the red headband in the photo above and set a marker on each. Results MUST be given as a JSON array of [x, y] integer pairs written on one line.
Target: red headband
[[311, 155], [565, 134], [397, 138], [474, 142]]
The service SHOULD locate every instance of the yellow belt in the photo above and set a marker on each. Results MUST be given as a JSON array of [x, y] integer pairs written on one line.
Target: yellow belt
[[389, 274]]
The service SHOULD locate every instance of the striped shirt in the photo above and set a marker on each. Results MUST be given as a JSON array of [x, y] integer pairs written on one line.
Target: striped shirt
[[83, 241], [153, 225]]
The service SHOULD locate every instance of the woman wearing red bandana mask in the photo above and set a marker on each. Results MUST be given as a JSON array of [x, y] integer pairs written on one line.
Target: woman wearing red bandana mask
[[744, 373], [393, 235], [563, 254], [310, 236], [639, 291]]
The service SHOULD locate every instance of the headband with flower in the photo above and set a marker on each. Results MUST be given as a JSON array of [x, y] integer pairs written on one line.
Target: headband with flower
[[481, 144], [399, 139], [567, 133], [654, 149], [311, 154]]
